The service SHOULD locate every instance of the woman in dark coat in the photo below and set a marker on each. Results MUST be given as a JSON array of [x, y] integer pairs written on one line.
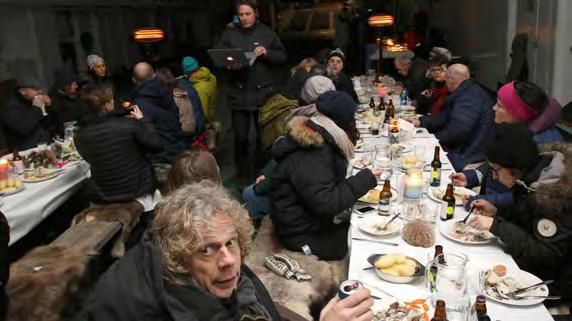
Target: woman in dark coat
[[309, 188], [537, 229]]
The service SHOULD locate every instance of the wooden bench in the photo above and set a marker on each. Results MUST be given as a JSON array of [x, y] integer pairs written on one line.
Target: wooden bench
[[92, 235]]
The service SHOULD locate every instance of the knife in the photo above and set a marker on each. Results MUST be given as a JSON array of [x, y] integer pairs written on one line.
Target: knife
[[528, 288], [375, 241]]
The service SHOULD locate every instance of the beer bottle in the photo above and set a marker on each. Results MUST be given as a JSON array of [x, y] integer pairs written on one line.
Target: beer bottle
[[393, 134], [440, 310], [448, 204], [436, 169], [433, 269], [381, 105], [390, 109], [371, 104], [481, 307], [384, 205], [18, 162]]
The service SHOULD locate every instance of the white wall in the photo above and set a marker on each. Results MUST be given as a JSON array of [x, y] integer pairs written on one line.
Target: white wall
[[562, 75]]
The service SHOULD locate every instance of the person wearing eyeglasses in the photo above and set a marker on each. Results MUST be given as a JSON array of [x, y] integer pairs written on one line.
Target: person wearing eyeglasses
[[432, 100], [537, 229]]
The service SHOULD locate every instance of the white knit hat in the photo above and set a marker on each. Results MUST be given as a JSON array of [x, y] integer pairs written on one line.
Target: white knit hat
[[92, 60], [314, 87]]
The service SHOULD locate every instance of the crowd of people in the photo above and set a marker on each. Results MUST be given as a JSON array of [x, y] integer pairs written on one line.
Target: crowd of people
[[189, 262]]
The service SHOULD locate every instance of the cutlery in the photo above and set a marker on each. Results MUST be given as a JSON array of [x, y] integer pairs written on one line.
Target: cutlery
[[368, 268], [384, 227], [375, 241], [528, 288], [548, 297], [468, 215]]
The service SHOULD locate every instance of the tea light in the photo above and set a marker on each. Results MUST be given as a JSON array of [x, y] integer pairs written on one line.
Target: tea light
[[4, 166], [413, 184]]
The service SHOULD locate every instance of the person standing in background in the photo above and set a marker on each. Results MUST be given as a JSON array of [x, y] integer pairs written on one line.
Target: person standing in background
[[250, 86]]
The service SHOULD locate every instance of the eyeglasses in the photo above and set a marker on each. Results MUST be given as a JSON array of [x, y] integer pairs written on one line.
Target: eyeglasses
[[436, 70]]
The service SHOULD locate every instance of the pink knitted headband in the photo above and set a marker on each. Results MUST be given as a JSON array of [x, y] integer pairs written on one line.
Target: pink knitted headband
[[512, 102]]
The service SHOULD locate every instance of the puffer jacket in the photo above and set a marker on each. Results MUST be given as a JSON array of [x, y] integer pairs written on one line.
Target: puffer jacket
[[206, 84], [537, 230], [463, 127], [252, 85], [309, 188]]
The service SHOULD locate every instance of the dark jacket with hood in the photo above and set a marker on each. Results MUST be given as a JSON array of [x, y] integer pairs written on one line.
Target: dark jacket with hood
[[252, 85], [537, 230], [24, 125], [135, 289], [65, 109], [463, 127], [344, 83], [158, 106], [116, 149], [309, 188]]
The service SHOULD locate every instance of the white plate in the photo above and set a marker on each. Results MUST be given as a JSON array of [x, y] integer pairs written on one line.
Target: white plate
[[524, 279], [378, 188], [457, 190], [12, 191], [41, 179], [368, 222], [446, 229], [358, 163]]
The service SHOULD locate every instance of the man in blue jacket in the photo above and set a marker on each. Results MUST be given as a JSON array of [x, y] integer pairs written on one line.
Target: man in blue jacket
[[463, 127]]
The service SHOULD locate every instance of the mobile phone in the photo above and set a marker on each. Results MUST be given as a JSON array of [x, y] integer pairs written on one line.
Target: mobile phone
[[365, 209]]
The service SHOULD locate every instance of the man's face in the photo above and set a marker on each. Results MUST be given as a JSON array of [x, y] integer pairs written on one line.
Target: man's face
[[30, 93], [451, 83], [501, 114], [402, 67], [246, 15], [336, 64], [216, 263], [100, 69]]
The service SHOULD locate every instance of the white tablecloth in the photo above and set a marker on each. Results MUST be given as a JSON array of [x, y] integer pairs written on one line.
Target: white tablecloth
[[480, 257], [26, 209]]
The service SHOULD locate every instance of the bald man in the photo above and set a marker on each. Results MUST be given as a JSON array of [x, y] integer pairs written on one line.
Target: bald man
[[156, 102], [463, 127]]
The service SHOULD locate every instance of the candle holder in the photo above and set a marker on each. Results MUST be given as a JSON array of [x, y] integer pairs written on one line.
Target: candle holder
[[413, 185], [4, 167]]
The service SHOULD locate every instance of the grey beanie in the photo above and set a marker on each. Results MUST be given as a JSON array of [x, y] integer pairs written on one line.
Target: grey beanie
[[314, 87]]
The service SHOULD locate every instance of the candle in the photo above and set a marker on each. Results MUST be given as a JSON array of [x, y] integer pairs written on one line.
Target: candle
[[4, 166], [413, 184]]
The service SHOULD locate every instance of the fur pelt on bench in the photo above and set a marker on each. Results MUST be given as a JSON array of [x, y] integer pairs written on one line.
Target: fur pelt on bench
[[297, 296], [125, 213], [43, 284]]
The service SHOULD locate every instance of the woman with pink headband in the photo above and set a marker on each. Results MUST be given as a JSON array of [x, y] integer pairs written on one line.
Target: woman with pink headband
[[517, 101]]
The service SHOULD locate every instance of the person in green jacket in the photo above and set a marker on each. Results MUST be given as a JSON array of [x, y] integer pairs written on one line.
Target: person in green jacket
[[204, 82]]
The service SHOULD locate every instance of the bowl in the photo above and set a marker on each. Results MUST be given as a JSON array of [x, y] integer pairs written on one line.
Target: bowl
[[419, 271]]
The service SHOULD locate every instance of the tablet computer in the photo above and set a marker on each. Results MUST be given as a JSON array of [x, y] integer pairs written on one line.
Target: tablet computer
[[225, 57]]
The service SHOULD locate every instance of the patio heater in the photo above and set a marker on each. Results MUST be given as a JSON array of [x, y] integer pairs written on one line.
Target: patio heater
[[380, 21]]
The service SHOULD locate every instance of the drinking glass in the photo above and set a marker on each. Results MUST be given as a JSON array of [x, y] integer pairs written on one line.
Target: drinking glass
[[382, 160]]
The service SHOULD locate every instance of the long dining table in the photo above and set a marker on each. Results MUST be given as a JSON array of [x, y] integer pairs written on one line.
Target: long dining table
[[480, 257]]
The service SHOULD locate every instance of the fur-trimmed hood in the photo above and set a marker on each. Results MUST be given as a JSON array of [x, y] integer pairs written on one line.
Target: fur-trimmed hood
[[553, 189], [302, 134]]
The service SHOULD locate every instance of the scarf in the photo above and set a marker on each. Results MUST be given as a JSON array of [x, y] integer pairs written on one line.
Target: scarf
[[243, 305], [339, 135]]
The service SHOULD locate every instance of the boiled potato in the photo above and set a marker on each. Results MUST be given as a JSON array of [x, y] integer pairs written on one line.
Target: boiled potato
[[391, 271], [17, 183], [410, 262], [10, 182], [399, 258], [2, 184], [385, 262], [404, 270]]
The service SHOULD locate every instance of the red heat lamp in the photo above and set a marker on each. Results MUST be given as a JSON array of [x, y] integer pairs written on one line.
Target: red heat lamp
[[380, 21], [148, 35]]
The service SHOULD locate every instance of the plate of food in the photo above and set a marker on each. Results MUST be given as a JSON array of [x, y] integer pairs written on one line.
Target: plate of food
[[361, 147], [397, 268], [408, 162], [374, 225], [372, 197], [42, 159], [499, 283], [437, 193], [401, 311], [39, 175], [462, 233], [11, 186], [361, 162]]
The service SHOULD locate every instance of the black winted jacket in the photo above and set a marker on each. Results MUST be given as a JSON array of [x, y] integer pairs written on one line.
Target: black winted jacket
[[158, 106], [251, 86], [116, 149], [309, 187], [65, 109], [526, 228], [464, 126], [344, 83], [24, 125], [134, 289]]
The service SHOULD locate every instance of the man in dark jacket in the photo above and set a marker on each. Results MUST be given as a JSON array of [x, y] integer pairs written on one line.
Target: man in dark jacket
[[335, 70], [537, 230], [412, 73], [463, 127], [64, 101], [116, 148], [4, 264], [309, 188], [251, 86], [156, 102], [26, 118]]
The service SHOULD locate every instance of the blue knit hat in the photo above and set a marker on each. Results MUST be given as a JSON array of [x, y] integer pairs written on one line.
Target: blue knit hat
[[189, 64], [338, 106]]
